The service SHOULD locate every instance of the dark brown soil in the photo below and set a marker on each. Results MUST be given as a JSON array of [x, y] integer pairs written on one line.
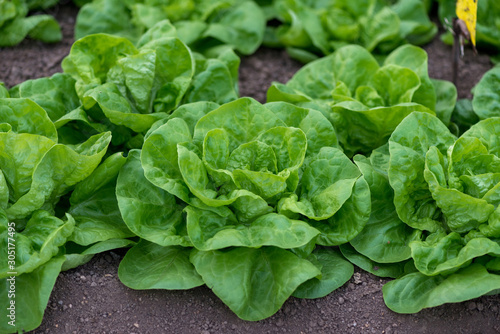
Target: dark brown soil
[[91, 299], [33, 59]]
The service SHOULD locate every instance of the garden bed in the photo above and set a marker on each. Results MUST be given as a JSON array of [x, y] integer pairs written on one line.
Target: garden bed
[[91, 299]]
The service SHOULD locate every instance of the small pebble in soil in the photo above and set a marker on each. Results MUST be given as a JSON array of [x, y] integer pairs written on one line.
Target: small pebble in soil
[[357, 278], [471, 306], [341, 300]]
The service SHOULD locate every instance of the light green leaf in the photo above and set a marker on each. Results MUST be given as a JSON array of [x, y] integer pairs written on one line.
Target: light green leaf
[[98, 217], [19, 156], [462, 212], [446, 254], [408, 145], [395, 84], [415, 59], [56, 94], [327, 183], [149, 212], [60, 168], [106, 16], [90, 69], [209, 231], [25, 116], [37, 243], [318, 130], [159, 157], [349, 220], [244, 120]]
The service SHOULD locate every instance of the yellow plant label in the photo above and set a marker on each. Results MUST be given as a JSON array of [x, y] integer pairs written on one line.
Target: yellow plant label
[[467, 12]]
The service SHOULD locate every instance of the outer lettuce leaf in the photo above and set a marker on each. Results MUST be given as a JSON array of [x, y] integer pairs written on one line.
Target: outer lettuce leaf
[[416, 291], [463, 115], [166, 268], [445, 104], [393, 270], [254, 283], [19, 155], [4, 93], [77, 255]]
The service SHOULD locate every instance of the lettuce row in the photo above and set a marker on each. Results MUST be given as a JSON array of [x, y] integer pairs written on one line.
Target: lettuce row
[[202, 24], [311, 28], [237, 197], [363, 100]]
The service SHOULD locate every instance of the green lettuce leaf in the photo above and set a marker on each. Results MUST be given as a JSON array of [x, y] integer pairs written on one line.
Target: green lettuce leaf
[[167, 268], [257, 281]]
